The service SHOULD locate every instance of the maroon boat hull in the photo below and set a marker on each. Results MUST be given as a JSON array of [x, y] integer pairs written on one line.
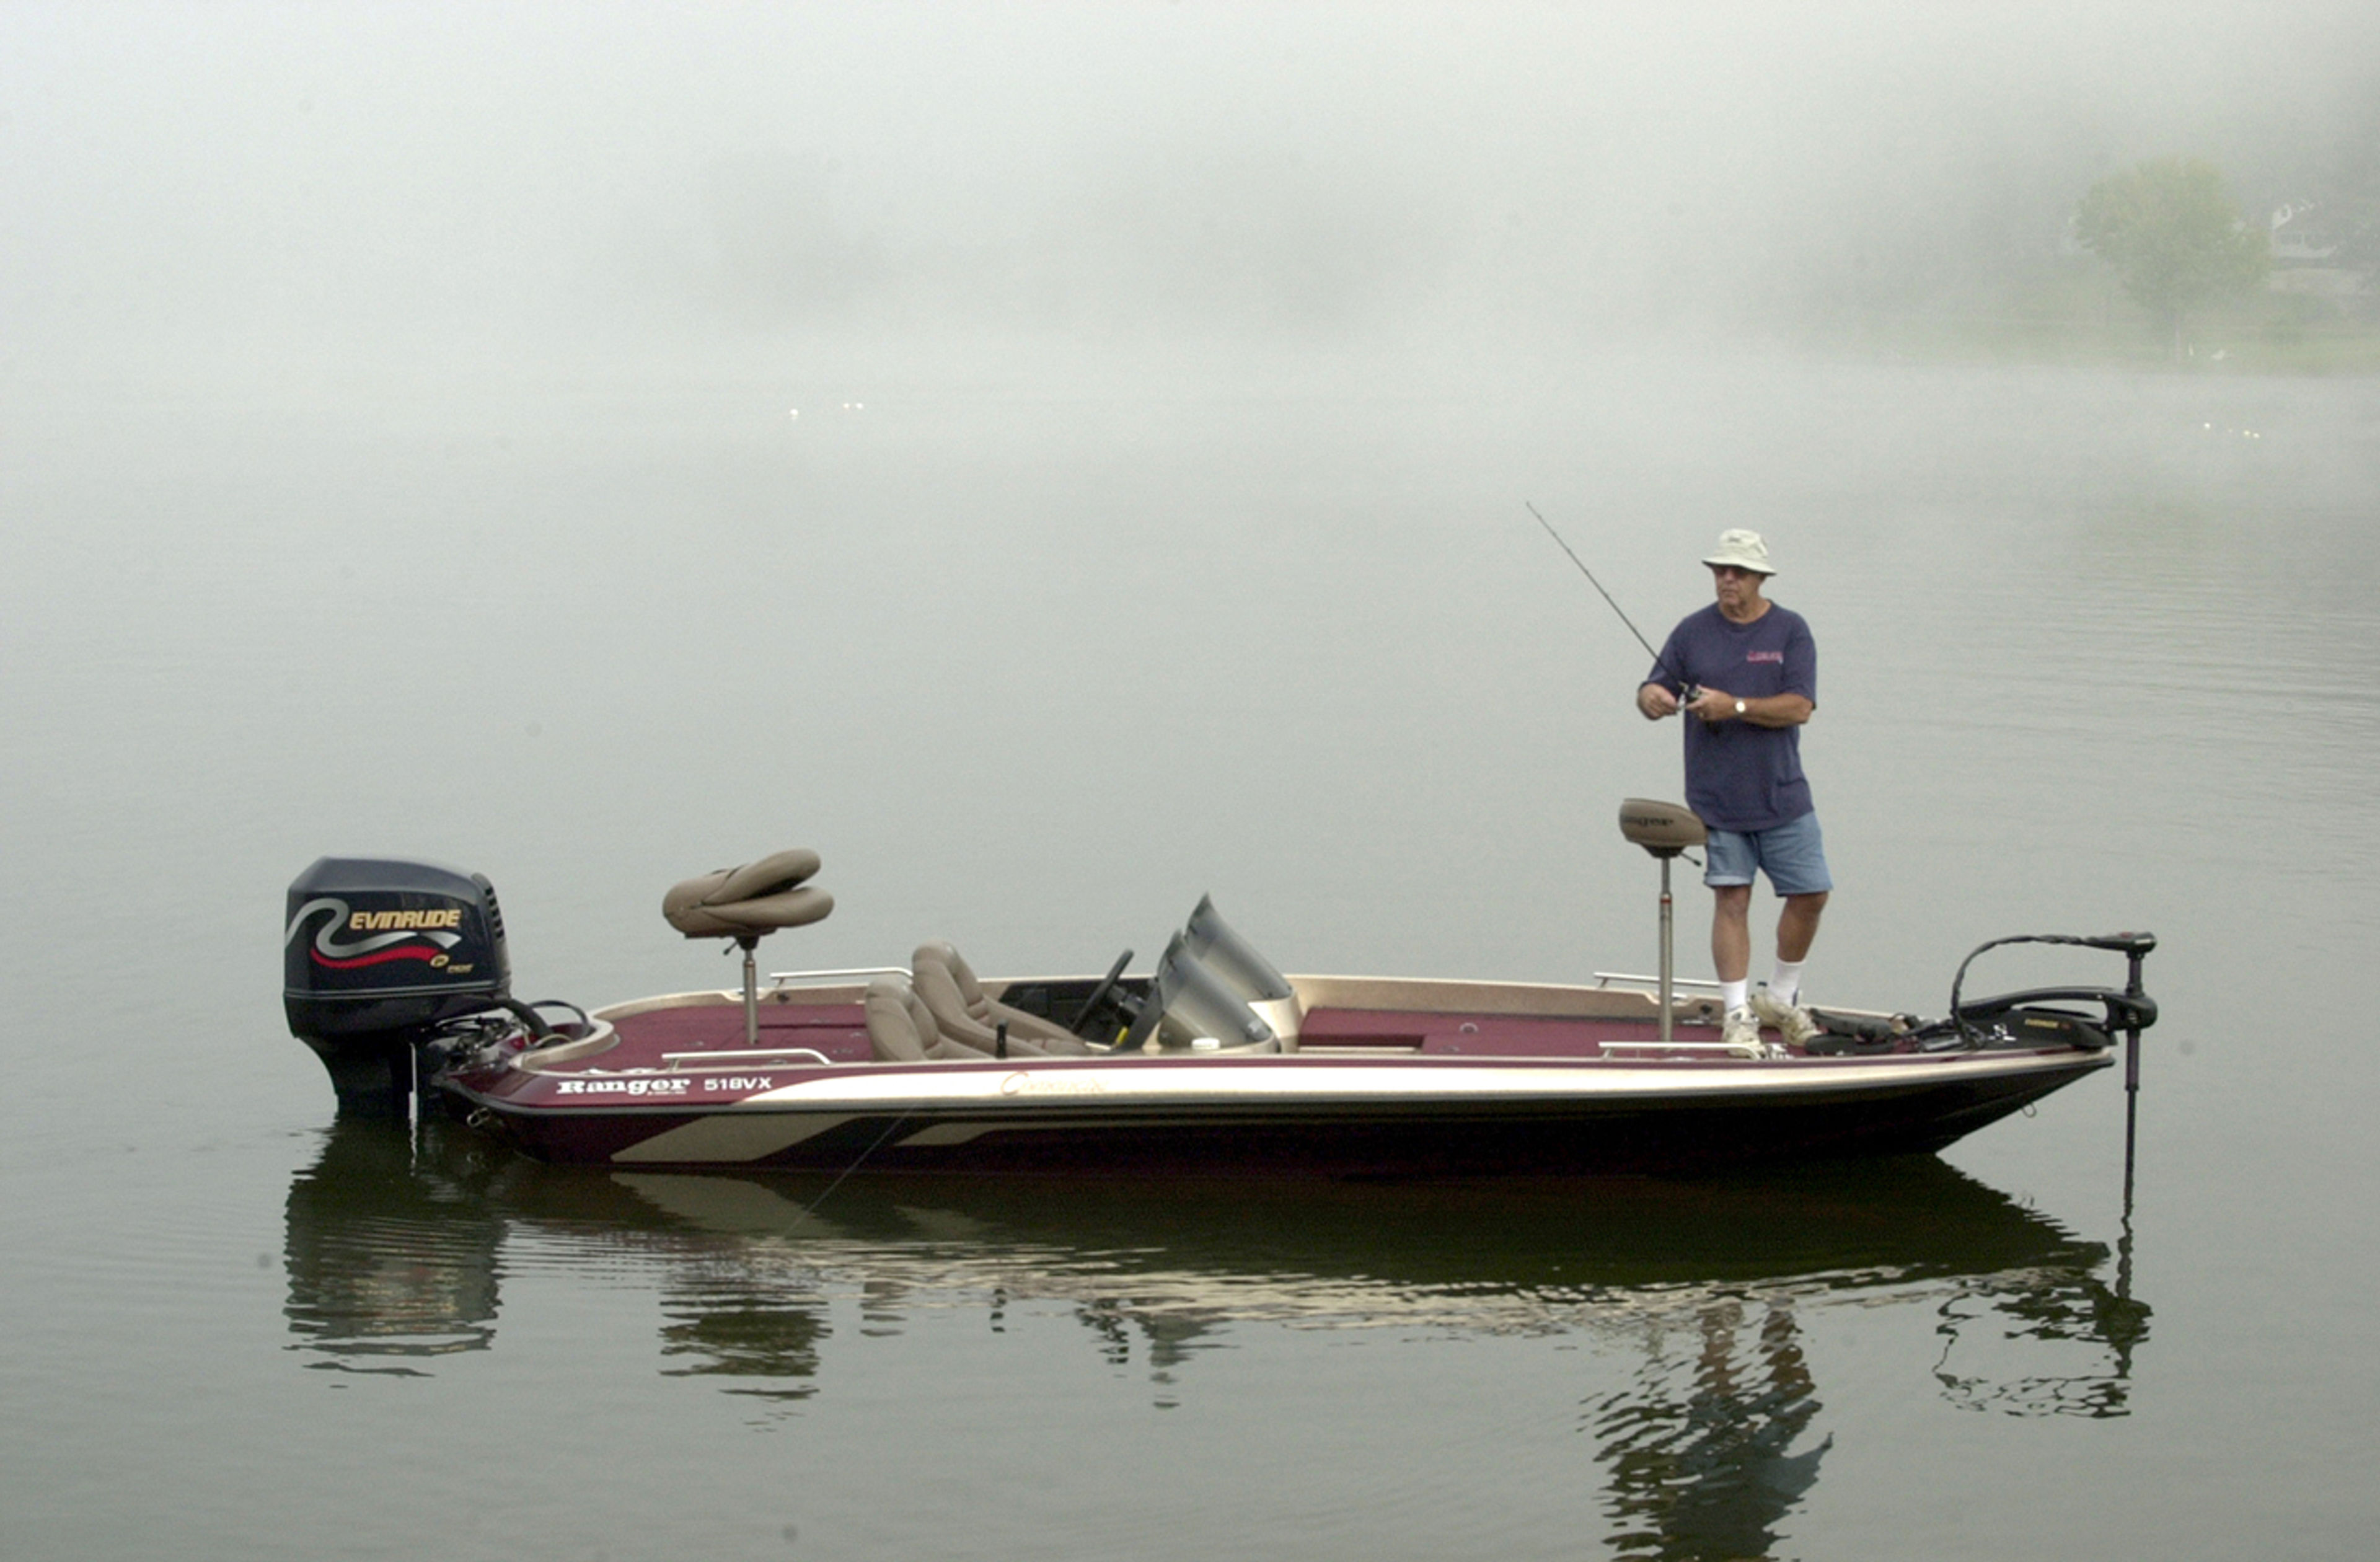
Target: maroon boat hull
[[1448, 1135]]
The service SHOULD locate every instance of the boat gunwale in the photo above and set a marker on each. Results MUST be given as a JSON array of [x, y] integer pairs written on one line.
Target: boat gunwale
[[1165, 1084], [1453, 996]]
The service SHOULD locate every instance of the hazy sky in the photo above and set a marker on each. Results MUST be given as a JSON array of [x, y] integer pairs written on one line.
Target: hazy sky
[[1322, 170]]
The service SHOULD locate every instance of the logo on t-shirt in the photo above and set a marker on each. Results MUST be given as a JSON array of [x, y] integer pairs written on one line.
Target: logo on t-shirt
[[1776, 656]]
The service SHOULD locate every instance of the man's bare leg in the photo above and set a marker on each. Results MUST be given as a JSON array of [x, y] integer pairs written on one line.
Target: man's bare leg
[[1796, 926], [1731, 930], [1732, 956]]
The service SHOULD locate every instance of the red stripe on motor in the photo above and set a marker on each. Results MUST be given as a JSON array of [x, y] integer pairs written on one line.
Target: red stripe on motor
[[405, 952]]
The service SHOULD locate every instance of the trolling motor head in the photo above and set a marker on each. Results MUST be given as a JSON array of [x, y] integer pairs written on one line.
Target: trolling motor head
[[1665, 829]]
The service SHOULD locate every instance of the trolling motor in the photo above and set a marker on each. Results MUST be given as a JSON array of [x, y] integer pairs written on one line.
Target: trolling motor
[[1665, 829], [2126, 1012]]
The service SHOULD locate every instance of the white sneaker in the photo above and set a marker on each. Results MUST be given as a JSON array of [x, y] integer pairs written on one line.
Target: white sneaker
[[1740, 1034], [1793, 1021]]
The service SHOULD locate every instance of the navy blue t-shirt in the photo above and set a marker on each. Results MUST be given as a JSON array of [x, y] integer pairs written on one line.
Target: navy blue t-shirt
[[1740, 776]]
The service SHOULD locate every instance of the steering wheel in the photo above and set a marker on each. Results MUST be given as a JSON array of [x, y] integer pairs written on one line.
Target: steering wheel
[[1100, 994]]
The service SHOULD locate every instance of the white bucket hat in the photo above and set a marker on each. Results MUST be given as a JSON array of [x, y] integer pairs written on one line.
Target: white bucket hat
[[1743, 550]]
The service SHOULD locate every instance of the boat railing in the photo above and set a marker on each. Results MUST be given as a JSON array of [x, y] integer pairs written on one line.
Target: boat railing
[[1629, 979], [1606, 977], [678, 1060], [783, 978], [1657, 1044]]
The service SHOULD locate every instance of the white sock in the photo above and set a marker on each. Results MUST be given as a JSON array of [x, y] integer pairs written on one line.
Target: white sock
[[1737, 995], [1786, 985]]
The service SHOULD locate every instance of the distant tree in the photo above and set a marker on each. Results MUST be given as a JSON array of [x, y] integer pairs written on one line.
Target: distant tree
[[2356, 220], [2342, 172], [2170, 230]]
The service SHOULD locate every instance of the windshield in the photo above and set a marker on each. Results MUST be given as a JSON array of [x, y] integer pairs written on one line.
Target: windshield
[[1190, 1006], [1231, 957]]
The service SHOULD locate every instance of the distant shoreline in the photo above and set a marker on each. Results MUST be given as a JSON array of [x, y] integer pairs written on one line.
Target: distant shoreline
[[2269, 334]]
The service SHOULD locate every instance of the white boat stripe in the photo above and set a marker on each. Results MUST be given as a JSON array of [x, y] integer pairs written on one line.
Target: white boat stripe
[[724, 1137], [1206, 1083]]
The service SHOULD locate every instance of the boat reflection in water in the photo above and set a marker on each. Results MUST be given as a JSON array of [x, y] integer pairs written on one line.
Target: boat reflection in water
[[393, 1259], [398, 1241]]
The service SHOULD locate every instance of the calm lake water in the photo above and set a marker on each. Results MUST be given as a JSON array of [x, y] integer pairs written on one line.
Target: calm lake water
[[1035, 654]]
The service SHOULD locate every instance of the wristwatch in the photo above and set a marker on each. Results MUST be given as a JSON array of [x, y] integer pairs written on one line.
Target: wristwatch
[[1739, 707]]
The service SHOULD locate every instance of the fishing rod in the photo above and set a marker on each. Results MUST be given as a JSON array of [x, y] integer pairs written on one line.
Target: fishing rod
[[1692, 689]]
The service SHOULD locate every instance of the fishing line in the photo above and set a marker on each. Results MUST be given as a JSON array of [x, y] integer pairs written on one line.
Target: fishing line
[[846, 1171], [1591, 581]]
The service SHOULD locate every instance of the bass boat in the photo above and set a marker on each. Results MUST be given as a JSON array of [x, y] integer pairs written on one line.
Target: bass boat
[[396, 974]]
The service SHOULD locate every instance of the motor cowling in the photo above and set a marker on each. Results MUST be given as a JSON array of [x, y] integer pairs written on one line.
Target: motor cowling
[[375, 953]]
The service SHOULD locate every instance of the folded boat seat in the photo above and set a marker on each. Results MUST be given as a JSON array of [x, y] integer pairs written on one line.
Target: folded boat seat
[[901, 1028], [748, 903], [964, 1014]]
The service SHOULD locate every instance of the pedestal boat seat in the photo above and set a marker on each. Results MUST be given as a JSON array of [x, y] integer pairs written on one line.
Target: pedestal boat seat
[[750, 902], [747, 904], [1667, 830]]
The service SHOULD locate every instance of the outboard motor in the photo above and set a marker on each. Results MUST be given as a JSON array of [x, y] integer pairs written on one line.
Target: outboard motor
[[377, 952]]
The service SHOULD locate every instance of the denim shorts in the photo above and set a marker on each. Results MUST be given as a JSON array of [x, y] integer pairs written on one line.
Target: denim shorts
[[1792, 856]]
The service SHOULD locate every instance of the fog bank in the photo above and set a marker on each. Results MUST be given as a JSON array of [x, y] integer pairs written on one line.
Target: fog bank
[[537, 183]]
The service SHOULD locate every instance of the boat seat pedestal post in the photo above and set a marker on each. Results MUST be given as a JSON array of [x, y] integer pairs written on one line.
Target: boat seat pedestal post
[[1665, 829], [1669, 954], [751, 943]]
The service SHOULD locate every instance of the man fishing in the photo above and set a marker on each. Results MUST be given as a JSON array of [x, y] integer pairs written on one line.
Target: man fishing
[[1747, 671]]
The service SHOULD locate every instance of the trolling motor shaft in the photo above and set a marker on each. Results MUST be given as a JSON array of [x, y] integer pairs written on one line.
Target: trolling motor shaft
[[1665, 829]]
